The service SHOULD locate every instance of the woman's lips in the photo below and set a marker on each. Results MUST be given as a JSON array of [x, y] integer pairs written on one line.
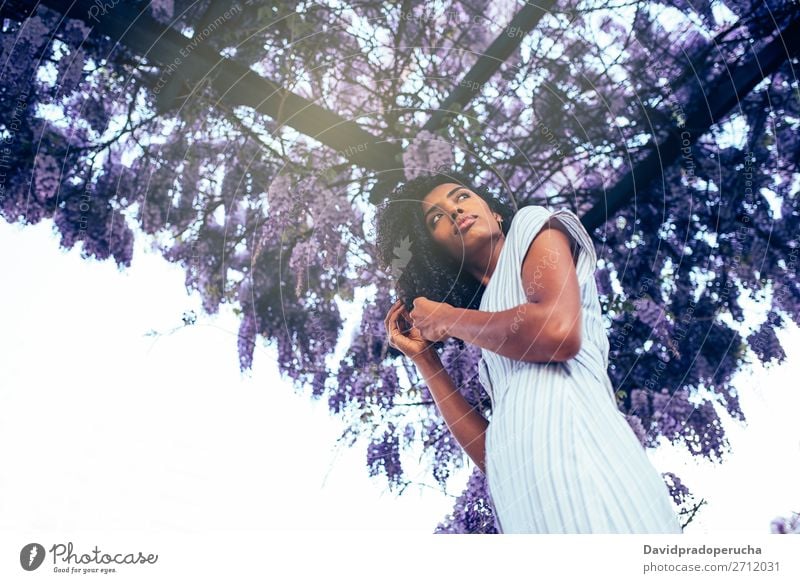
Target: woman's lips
[[465, 224]]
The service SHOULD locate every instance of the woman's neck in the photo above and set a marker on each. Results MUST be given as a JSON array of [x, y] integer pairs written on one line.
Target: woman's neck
[[485, 260]]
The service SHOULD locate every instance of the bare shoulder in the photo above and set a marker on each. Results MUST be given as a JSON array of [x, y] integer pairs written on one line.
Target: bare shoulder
[[548, 266]]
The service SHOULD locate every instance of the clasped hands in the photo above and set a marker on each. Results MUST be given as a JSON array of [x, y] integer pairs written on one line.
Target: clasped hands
[[427, 323], [429, 317]]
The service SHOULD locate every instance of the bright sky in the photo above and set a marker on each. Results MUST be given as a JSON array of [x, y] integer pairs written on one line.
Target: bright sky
[[145, 432]]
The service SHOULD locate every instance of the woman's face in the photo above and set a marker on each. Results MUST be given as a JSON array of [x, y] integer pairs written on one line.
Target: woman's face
[[458, 219]]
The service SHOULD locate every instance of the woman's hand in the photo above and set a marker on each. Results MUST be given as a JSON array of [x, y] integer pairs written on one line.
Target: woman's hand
[[428, 317], [403, 335]]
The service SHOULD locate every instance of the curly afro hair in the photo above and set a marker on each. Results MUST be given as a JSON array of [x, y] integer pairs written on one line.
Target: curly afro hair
[[417, 264]]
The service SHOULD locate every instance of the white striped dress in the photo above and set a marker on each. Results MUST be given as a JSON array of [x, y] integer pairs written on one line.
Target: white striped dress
[[560, 456]]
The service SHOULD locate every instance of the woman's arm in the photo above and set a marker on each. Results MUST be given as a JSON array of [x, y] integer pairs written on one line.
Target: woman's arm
[[545, 328], [466, 424], [530, 332]]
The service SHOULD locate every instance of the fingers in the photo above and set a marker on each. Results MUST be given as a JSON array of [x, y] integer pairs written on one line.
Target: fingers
[[412, 315], [390, 313], [390, 322], [406, 317]]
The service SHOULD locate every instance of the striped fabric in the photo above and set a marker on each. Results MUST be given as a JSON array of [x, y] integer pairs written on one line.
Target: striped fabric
[[560, 456]]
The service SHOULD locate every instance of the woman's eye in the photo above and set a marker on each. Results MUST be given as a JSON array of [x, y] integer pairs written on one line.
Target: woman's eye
[[436, 216]]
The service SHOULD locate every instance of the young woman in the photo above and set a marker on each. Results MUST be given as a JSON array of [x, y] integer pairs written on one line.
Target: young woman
[[558, 455]]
